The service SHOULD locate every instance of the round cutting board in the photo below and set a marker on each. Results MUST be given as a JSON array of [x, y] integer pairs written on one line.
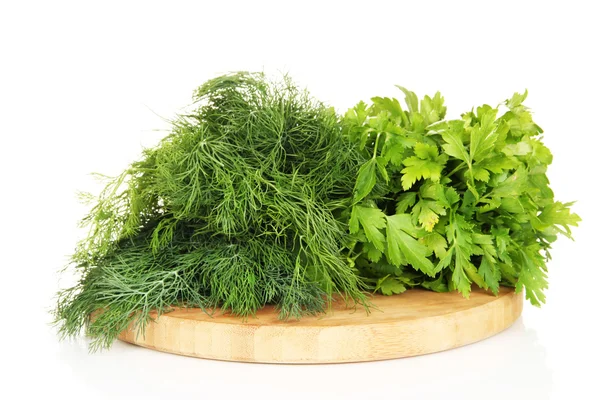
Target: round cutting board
[[415, 322]]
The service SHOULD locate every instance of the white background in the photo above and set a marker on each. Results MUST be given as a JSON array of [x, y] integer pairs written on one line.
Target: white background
[[84, 85]]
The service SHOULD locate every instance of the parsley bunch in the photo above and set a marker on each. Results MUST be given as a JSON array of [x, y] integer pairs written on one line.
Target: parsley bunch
[[443, 204]]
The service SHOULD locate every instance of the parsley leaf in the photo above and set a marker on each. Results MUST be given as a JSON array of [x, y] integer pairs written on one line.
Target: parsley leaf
[[400, 238], [371, 220]]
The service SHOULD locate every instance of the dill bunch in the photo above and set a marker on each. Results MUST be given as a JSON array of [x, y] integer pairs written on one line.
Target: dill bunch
[[238, 207]]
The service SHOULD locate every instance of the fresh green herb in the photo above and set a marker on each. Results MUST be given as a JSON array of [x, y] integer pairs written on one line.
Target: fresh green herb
[[443, 204], [236, 209], [262, 195]]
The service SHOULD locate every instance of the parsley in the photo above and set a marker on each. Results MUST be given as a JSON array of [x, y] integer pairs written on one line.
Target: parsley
[[445, 204]]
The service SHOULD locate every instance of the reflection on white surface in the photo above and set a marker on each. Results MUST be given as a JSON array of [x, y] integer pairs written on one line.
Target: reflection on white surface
[[511, 363]]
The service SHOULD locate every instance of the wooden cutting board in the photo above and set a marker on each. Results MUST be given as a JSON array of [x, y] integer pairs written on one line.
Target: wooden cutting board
[[413, 323]]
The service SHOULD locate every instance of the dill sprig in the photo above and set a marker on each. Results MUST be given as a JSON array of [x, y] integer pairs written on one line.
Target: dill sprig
[[238, 207]]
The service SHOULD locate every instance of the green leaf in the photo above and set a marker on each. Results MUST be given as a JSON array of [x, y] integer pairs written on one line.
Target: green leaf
[[366, 180], [371, 220], [532, 276], [489, 204], [483, 135], [488, 269], [395, 154], [357, 115], [436, 243], [519, 118], [452, 196], [433, 191], [459, 276], [481, 174], [540, 152], [381, 163], [482, 239], [517, 149], [426, 151], [438, 285], [437, 127], [391, 105], [473, 190], [373, 253], [559, 215], [491, 273], [395, 147], [428, 213], [473, 275], [512, 185], [497, 163], [389, 286], [502, 132], [516, 100], [405, 200], [454, 146], [462, 240], [411, 100], [417, 168], [512, 205], [433, 109], [438, 105], [400, 241], [379, 122], [445, 260], [428, 218], [404, 222], [502, 240]]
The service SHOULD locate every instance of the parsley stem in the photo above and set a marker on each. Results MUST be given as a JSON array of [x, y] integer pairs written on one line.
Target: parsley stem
[[455, 170], [376, 145]]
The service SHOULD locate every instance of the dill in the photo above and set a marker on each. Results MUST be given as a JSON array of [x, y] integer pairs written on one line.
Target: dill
[[238, 207]]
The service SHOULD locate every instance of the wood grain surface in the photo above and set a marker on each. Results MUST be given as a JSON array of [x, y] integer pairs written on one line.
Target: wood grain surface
[[413, 323]]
